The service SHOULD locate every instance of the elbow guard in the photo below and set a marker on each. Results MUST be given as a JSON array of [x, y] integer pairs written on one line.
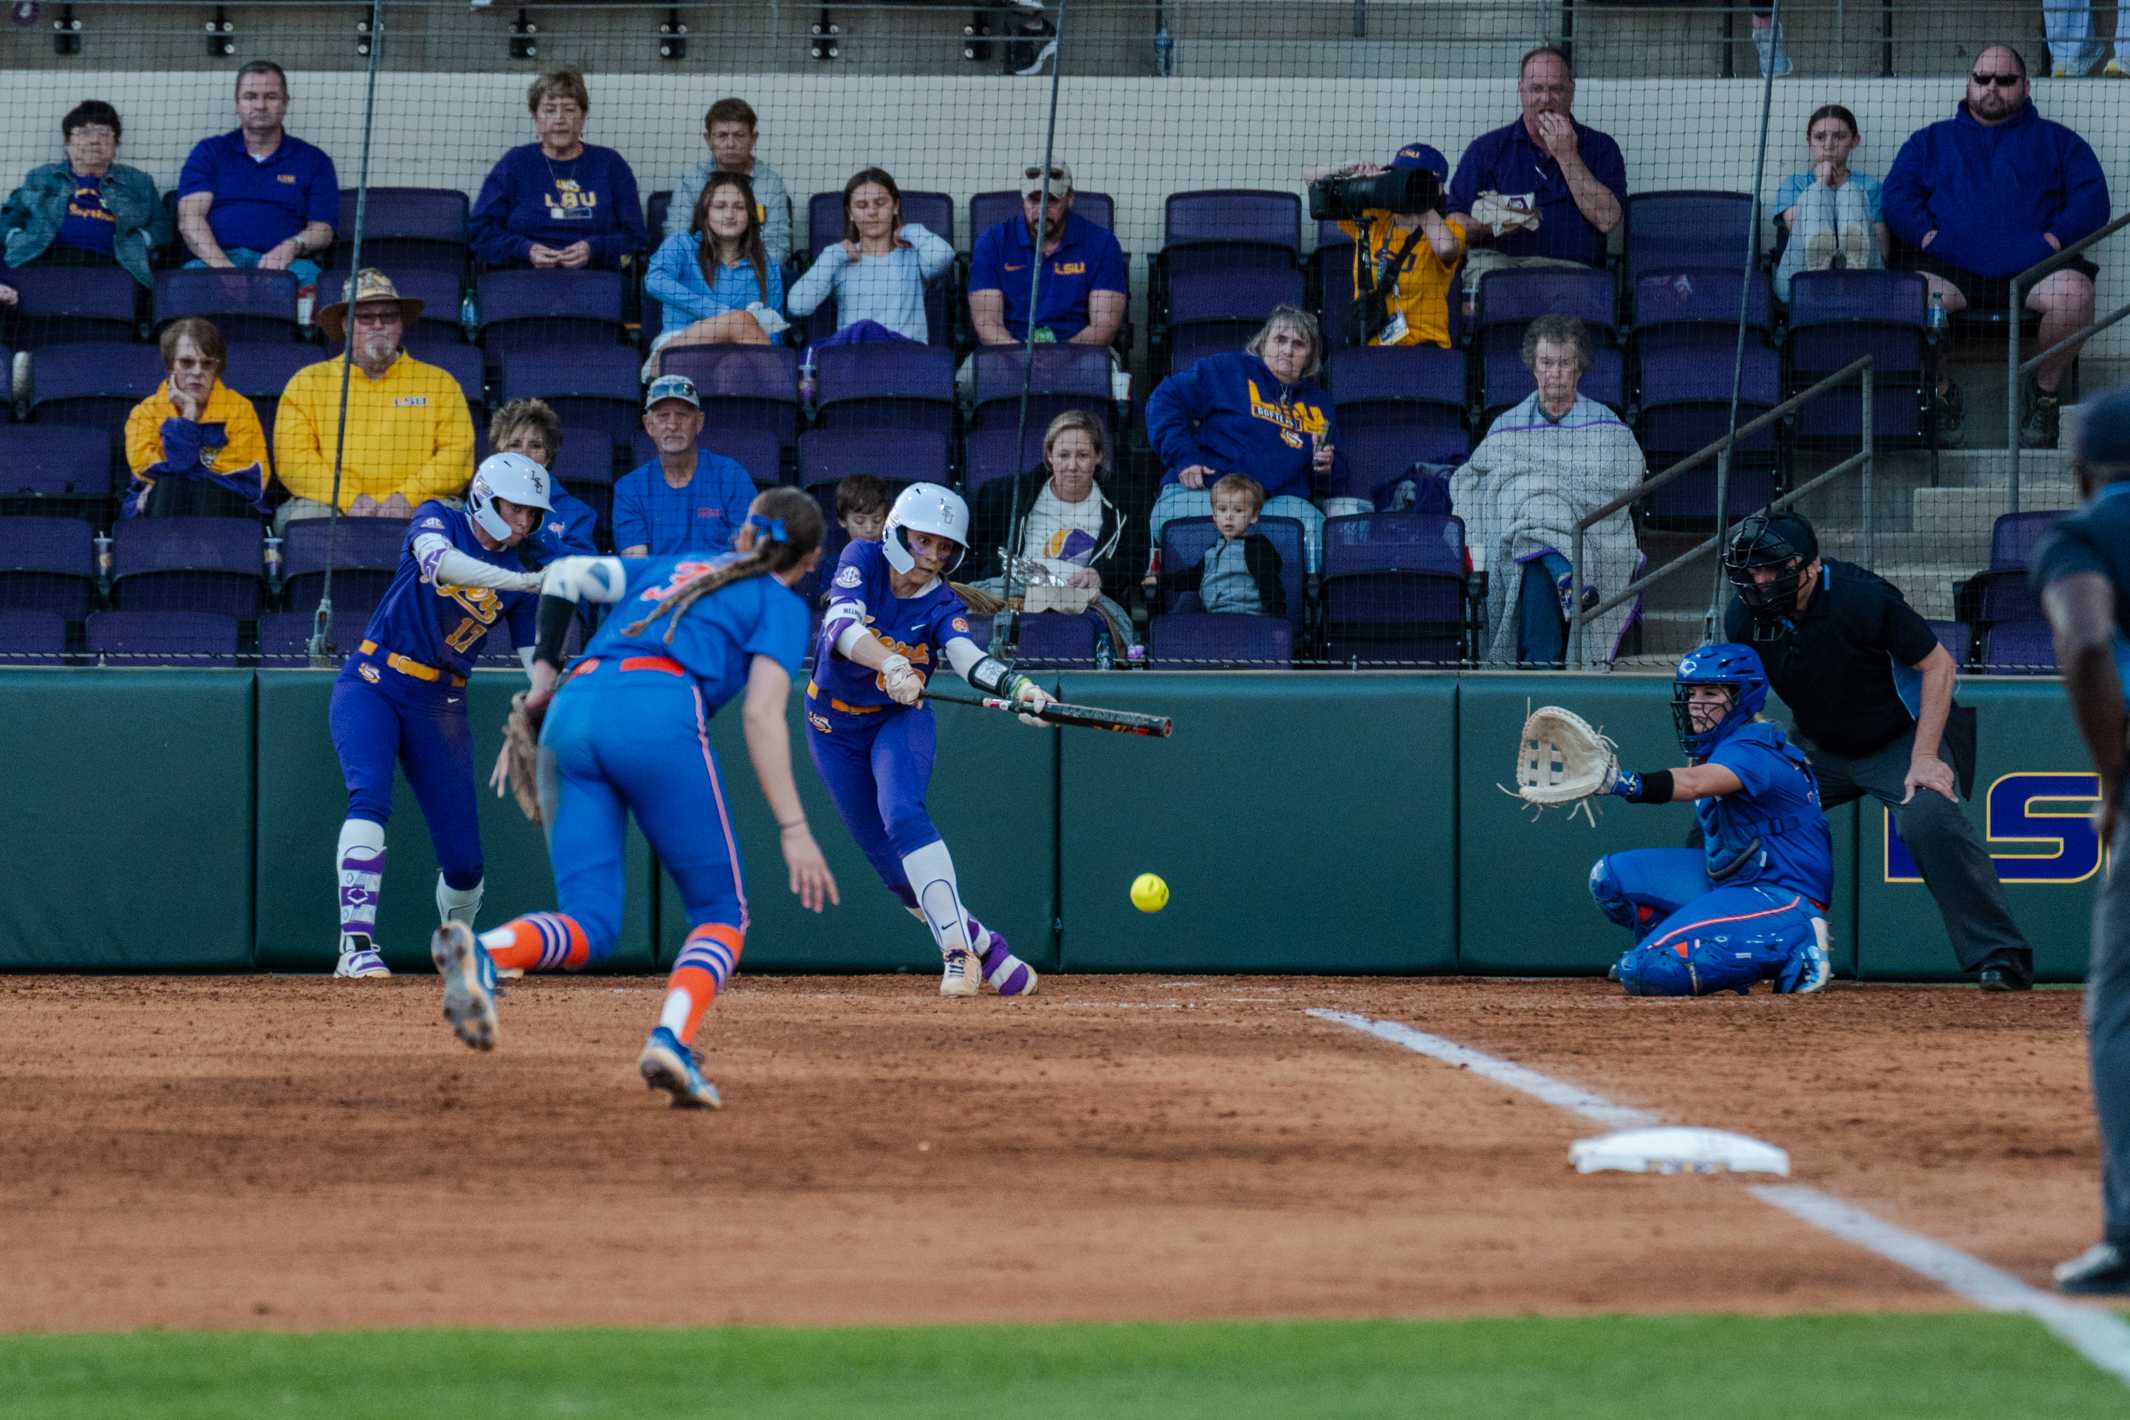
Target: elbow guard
[[995, 677]]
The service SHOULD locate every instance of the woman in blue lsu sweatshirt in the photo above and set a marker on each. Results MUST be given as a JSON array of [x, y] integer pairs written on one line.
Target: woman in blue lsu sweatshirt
[[560, 202], [1256, 412]]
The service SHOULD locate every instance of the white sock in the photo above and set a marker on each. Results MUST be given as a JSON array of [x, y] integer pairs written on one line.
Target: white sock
[[452, 905], [359, 864], [931, 873], [674, 1014]]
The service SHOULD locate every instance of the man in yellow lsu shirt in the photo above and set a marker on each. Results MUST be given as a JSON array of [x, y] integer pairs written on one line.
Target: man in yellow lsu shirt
[[409, 435]]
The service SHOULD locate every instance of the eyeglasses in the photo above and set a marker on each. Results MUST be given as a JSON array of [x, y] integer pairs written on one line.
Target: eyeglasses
[[2002, 81], [1035, 173]]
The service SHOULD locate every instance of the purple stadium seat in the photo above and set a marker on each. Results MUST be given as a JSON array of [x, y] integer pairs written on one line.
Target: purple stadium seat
[[285, 638], [541, 310], [2019, 648], [989, 454], [364, 552], [163, 638], [1701, 296], [588, 388], [243, 304], [56, 468], [47, 564], [408, 229], [833, 540], [1230, 228], [752, 449], [1184, 541], [1380, 452], [440, 293], [914, 456], [988, 209], [744, 386], [1188, 344], [95, 384], [1198, 640], [2014, 536], [1213, 310], [1503, 380], [60, 305], [655, 207], [463, 363], [1396, 406], [1686, 406], [1063, 377], [260, 369], [32, 638], [1052, 640], [587, 455], [1511, 300], [1681, 231], [599, 497], [1837, 316], [1394, 588], [885, 386], [1958, 639], [188, 564]]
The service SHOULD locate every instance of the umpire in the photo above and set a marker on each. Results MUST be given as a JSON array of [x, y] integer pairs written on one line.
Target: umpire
[[2082, 572], [1870, 693]]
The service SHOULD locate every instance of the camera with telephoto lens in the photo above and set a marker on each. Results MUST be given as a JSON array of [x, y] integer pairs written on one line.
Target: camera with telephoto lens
[[1336, 199]]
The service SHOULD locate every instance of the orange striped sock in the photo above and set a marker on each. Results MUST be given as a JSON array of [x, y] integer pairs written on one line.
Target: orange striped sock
[[538, 941], [709, 956]]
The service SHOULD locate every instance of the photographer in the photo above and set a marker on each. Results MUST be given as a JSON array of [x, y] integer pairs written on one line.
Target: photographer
[[1405, 255]]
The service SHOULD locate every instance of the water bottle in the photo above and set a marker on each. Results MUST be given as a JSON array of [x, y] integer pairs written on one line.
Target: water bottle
[[1164, 51], [1105, 650], [103, 558], [1937, 311], [470, 317], [273, 560], [807, 384], [1135, 656]]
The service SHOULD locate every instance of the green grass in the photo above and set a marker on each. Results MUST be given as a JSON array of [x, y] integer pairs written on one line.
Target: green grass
[[1589, 1368]]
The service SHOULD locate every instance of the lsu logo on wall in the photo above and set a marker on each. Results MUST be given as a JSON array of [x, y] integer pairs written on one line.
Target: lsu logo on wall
[[2036, 827]]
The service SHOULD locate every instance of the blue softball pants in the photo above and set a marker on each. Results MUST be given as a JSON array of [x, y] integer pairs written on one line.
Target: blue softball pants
[[637, 741], [425, 733], [1692, 936], [877, 768]]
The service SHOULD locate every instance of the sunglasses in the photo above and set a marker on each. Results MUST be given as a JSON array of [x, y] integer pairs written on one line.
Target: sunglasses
[[2002, 81]]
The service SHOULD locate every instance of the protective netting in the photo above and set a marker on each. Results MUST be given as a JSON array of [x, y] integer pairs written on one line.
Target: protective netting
[[1421, 479]]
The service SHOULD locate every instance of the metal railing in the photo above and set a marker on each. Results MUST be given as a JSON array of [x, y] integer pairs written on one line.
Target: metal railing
[[2014, 367], [1720, 451]]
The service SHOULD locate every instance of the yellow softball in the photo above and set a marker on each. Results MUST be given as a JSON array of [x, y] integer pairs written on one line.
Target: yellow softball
[[1149, 893]]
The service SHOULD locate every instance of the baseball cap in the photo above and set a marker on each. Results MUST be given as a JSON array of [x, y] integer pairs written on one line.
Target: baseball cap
[[2103, 439], [1419, 155], [678, 387], [1030, 178]]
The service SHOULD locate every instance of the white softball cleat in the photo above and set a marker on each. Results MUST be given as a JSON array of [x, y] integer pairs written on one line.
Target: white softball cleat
[[360, 962]]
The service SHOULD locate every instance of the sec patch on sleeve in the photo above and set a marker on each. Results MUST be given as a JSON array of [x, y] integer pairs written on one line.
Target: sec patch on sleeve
[[849, 577]]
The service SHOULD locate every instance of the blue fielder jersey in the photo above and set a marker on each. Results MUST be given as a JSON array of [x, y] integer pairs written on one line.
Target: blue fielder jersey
[[1779, 805], [442, 626], [718, 636], [918, 628], [2095, 539]]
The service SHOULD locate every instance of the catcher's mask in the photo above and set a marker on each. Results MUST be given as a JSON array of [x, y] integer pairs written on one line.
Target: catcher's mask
[[1725, 663], [1782, 540]]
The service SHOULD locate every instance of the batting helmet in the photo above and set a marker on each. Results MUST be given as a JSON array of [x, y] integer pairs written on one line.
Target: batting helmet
[[1724, 663], [925, 508], [1783, 540], [512, 477]]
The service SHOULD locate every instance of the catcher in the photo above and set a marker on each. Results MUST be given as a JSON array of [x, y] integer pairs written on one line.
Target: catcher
[[1749, 906]]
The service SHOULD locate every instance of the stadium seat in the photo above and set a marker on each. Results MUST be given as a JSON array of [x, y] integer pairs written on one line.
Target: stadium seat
[[1208, 641], [2002, 593], [744, 386], [1397, 406], [542, 311], [189, 564], [1054, 641], [2019, 648], [440, 293], [827, 456], [464, 364], [47, 564], [989, 454], [94, 384], [1510, 300], [1184, 542], [755, 450], [58, 469], [1215, 312], [1395, 589], [1958, 639], [1837, 316], [285, 638], [1686, 406], [64, 305], [824, 217], [364, 555], [163, 638], [595, 389], [988, 209], [882, 387], [32, 638], [245, 305], [1230, 229], [1669, 232], [408, 230], [260, 369], [655, 207], [1063, 377], [599, 497]]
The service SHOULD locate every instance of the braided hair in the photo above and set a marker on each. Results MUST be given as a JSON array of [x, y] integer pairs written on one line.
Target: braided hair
[[787, 527]]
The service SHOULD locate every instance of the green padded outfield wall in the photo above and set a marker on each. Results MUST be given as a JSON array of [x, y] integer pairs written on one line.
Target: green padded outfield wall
[[303, 800], [993, 798], [130, 820], [1305, 822]]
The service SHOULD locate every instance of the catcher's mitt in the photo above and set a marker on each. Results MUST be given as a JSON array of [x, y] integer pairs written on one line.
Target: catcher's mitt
[[1560, 759], [521, 741]]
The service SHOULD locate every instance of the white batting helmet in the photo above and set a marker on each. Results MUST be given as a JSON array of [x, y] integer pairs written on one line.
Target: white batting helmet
[[510, 476], [926, 508]]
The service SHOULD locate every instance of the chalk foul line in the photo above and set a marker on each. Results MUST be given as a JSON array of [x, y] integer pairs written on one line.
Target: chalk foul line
[[2098, 1335]]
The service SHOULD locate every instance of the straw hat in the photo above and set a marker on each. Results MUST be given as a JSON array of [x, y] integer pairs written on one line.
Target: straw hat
[[369, 284]]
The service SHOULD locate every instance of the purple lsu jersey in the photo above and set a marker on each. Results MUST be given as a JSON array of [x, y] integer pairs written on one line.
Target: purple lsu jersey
[[918, 628], [718, 636], [442, 626], [1779, 805]]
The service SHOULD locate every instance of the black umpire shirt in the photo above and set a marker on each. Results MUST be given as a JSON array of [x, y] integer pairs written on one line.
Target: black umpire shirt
[[1846, 665]]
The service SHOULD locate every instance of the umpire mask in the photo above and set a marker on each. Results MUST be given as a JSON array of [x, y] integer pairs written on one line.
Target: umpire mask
[[1784, 541]]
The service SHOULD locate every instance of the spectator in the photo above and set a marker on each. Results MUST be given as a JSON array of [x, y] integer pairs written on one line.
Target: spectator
[[1411, 259], [1545, 190], [195, 445], [1984, 195], [687, 499], [531, 428], [258, 195], [1257, 412], [1070, 526], [88, 210], [877, 273], [862, 503], [2069, 27], [560, 202], [729, 129], [1544, 466], [714, 283], [1240, 573], [409, 436], [1084, 285], [1832, 215]]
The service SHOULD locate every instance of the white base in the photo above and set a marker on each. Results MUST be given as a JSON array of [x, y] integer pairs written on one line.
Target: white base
[[1677, 1148]]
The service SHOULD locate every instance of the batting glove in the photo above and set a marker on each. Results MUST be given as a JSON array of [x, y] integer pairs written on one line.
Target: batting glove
[[1033, 696], [901, 680]]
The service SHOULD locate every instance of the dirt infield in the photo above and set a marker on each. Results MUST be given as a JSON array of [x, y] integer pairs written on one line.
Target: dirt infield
[[300, 1153]]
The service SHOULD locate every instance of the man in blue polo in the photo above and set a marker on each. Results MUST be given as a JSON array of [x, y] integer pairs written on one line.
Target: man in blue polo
[[686, 499], [1543, 191], [257, 195], [1084, 288]]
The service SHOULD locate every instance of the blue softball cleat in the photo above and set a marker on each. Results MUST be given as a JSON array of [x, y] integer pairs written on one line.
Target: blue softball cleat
[[469, 984], [668, 1065]]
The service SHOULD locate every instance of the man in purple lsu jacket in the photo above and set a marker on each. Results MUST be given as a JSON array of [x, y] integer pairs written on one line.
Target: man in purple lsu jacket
[[1982, 196]]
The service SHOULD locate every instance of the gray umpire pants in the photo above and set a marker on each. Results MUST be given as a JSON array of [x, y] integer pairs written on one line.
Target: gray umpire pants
[[2108, 1038], [1955, 866]]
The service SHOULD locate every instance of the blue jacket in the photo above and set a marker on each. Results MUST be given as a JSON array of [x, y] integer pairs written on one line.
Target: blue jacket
[[1991, 192], [36, 209], [1231, 414]]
